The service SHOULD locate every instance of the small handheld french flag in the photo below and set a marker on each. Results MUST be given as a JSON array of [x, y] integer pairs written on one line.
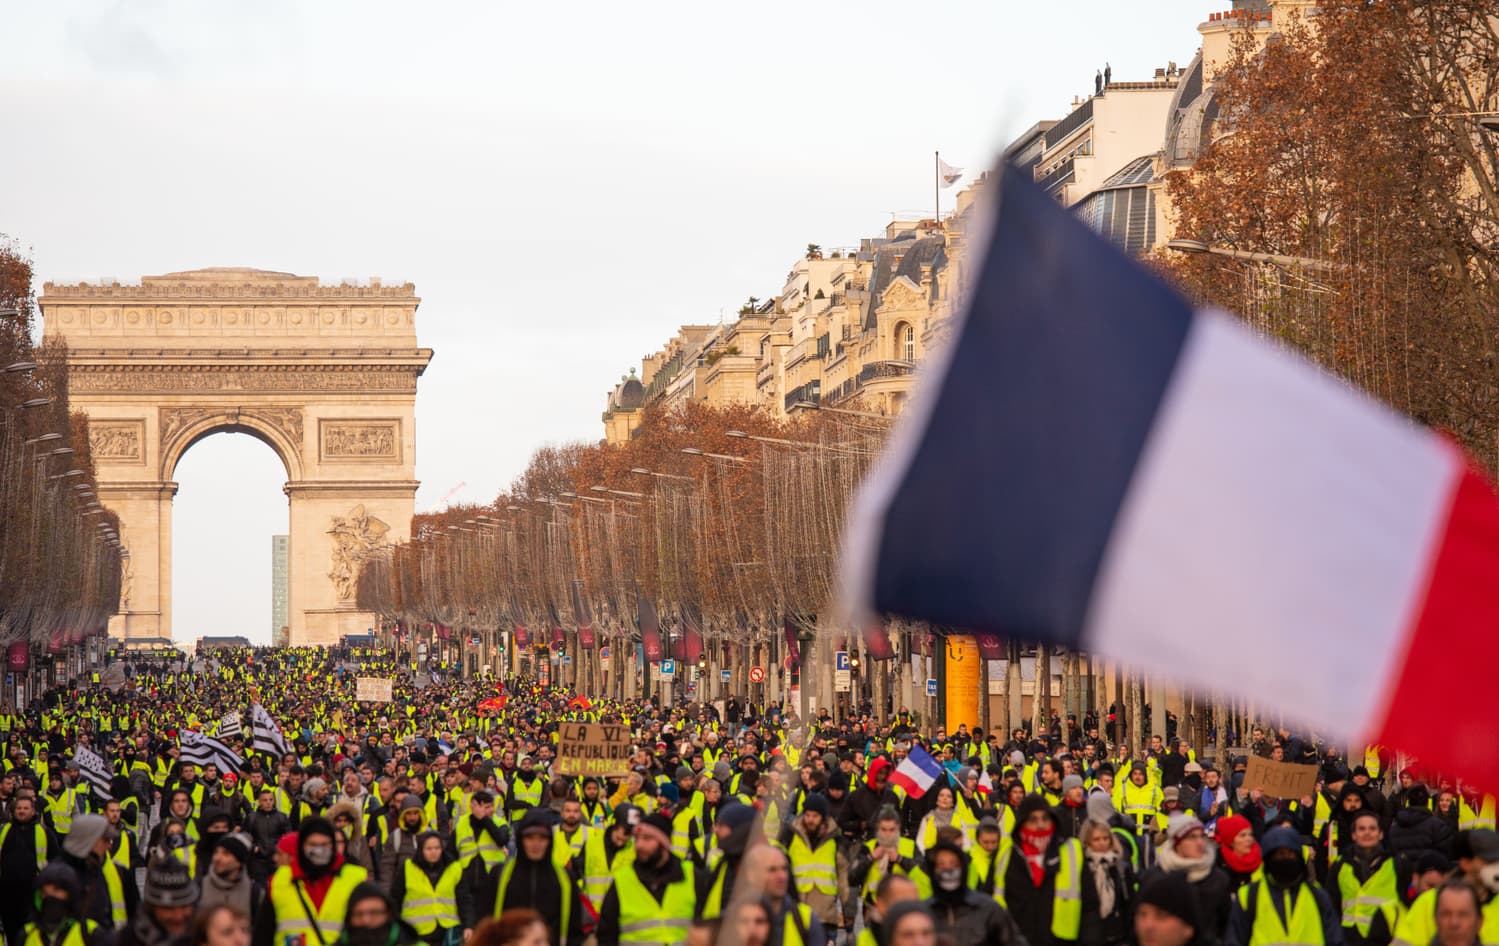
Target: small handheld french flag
[[917, 773], [1090, 462]]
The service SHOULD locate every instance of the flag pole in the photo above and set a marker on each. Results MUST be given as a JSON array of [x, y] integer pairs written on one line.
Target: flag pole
[[937, 186]]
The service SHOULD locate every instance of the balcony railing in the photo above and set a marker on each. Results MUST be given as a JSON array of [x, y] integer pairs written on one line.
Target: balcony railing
[[883, 369], [1060, 175], [809, 393], [1059, 132]]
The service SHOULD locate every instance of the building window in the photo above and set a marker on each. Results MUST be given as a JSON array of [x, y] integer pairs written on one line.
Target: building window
[[905, 342]]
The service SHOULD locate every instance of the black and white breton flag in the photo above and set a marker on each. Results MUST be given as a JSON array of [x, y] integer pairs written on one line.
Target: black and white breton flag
[[93, 769], [266, 735], [230, 726], [205, 750]]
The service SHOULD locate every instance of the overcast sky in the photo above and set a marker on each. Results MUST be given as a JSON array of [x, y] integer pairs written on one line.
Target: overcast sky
[[565, 183]]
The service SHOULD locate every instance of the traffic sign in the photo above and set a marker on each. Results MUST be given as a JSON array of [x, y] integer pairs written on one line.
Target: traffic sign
[[840, 660], [603, 653], [566, 660], [757, 674], [931, 686], [668, 668], [724, 675]]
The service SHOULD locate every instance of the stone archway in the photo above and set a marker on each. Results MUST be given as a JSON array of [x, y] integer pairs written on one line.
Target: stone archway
[[324, 375]]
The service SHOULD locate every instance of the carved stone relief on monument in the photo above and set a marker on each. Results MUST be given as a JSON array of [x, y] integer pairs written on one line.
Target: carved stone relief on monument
[[117, 441], [287, 421], [361, 440], [354, 537]]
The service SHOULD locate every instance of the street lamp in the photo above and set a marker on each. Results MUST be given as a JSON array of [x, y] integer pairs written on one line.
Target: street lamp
[[61, 452], [44, 438], [698, 452], [1489, 123], [36, 402], [20, 366], [642, 471], [620, 492], [831, 447], [63, 476], [1305, 262]]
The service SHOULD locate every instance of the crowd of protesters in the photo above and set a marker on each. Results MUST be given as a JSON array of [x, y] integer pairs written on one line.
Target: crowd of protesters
[[440, 817]]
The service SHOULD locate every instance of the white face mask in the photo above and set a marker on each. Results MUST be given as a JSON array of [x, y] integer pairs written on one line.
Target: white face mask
[[950, 879], [1489, 876]]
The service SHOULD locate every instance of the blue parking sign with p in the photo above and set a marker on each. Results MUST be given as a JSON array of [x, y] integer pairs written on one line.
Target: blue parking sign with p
[[840, 660]]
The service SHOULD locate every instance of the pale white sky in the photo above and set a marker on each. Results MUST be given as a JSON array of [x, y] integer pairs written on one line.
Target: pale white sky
[[564, 182]]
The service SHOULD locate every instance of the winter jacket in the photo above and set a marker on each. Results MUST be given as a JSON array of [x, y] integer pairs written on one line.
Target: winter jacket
[[1418, 830], [969, 917]]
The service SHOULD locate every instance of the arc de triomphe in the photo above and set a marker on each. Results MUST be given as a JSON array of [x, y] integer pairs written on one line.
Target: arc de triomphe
[[325, 375]]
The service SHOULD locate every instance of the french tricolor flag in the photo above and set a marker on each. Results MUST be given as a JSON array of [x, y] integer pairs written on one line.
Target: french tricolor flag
[[917, 773], [1092, 463]]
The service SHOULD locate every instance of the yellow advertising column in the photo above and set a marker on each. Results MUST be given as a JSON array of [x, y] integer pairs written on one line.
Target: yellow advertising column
[[963, 671]]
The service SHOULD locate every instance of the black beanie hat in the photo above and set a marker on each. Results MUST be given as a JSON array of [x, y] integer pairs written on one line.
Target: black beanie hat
[[1172, 892]]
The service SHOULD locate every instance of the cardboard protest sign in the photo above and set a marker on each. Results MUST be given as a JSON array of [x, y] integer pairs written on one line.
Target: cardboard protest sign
[[1280, 779], [372, 689], [595, 749]]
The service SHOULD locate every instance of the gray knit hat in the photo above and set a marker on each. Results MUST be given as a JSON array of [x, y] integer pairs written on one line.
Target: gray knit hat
[[168, 884], [87, 829]]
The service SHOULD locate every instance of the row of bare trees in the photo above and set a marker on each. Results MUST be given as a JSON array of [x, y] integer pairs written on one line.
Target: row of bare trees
[[60, 558]]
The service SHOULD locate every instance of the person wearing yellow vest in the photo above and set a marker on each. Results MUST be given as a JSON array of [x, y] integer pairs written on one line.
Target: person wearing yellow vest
[[961, 913], [1479, 866], [1140, 800], [947, 813], [818, 868], [885, 854], [1042, 879], [570, 834], [1474, 810], [655, 897], [892, 891], [478, 835], [1364, 885], [60, 920], [309, 897], [606, 850], [108, 895], [430, 893], [25, 848], [532, 879], [766, 870], [1285, 907], [526, 789]]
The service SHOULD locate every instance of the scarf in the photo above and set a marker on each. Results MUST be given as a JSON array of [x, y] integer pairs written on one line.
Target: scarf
[[1241, 863], [217, 890], [1102, 866], [1033, 845], [1197, 870]]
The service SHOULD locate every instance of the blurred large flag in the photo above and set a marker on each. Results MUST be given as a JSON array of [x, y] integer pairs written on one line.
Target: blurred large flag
[[1092, 463]]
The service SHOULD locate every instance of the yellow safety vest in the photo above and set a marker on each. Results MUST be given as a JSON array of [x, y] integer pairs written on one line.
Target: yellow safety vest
[[470, 842], [62, 808], [981, 865], [814, 869], [1304, 926], [1371, 760], [1419, 924], [642, 919], [598, 873], [1362, 901], [905, 848], [77, 935], [530, 795], [1143, 803], [426, 905], [564, 849], [961, 819], [1067, 900], [1468, 819], [291, 904], [564, 885], [116, 888], [41, 841], [791, 935]]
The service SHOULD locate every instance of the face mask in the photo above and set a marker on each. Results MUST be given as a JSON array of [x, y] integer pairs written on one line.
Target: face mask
[[379, 936], [175, 841], [1489, 876], [950, 879], [53, 911], [1285, 872], [319, 855]]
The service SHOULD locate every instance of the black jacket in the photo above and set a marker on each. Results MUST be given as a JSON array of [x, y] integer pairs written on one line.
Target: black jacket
[[970, 917], [1418, 830]]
